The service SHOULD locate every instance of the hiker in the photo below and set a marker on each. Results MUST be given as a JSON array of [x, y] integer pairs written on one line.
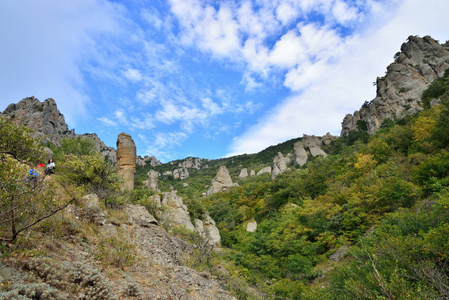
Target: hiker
[[32, 177], [50, 167]]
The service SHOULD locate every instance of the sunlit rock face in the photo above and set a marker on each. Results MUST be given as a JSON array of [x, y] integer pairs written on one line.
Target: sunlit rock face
[[221, 182], [126, 160], [416, 66]]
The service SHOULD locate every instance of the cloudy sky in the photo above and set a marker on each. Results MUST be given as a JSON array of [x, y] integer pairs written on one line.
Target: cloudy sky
[[205, 78]]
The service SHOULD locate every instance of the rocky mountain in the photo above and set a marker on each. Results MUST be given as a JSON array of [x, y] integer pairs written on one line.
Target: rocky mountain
[[419, 63], [43, 118], [48, 123]]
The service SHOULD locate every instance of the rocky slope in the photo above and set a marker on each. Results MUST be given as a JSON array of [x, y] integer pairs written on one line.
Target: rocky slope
[[419, 63]]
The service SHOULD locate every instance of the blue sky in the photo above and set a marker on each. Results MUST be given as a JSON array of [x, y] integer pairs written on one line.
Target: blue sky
[[205, 78]]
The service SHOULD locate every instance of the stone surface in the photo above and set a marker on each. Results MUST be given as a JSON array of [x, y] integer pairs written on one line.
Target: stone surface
[[398, 93], [148, 160], [44, 118], [207, 229], [174, 212], [251, 226], [191, 163], [252, 173], [126, 160], [280, 164], [264, 170], [300, 153], [152, 182], [243, 173], [221, 182], [139, 215], [181, 173], [313, 144]]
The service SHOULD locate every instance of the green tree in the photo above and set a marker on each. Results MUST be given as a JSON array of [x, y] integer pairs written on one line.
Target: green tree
[[22, 204]]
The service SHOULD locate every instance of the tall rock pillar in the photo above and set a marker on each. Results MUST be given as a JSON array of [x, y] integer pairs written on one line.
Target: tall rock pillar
[[126, 160]]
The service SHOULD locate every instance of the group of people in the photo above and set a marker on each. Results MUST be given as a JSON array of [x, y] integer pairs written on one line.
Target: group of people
[[33, 175]]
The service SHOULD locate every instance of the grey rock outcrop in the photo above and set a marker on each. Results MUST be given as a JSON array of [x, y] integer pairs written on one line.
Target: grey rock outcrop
[[181, 173], [174, 212], [152, 182], [139, 215], [147, 160], [416, 66], [44, 118], [206, 229], [251, 226], [126, 160], [243, 173], [264, 171], [300, 153], [313, 144], [89, 211], [221, 182], [280, 164], [191, 163], [101, 147], [252, 173]]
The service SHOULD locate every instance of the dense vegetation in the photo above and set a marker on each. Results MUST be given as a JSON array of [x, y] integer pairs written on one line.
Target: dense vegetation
[[384, 197]]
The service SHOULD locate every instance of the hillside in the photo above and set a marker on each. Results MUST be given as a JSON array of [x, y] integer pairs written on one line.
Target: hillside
[[362, 216]]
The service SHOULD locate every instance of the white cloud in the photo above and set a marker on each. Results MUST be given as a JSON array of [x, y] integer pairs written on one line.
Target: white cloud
[[107, 122], [132, 75], [341, 80]]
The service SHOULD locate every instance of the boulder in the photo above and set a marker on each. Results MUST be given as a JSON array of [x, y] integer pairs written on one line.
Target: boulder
[[191, 163], [221, 182], [252, 173], [139, 215], [174, 211], [126, 160], [264, 170], [206, 228], [251, 226], [243, 173], [313, 144], [151, 182], [280, 164], [300, 153]]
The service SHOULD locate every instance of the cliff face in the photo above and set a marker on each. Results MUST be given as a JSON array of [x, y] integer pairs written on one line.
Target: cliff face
[[43, 118], [416, 66]]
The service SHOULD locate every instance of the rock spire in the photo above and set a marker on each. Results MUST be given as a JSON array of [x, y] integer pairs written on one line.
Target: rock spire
[[126, 160]]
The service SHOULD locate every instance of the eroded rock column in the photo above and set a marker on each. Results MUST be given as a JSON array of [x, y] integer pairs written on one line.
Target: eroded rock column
[[126, 160]]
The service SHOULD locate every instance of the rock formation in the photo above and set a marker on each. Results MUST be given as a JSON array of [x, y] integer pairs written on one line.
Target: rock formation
[[313, 144], [181, 173], [264, 170], [174, 212], [191, 163], [419, 63], [251, 226], [108, 152], [126, 160], [151, 182], [221, 182], [300, 153], [206, 229], [43, 118], [243, 173], [280, 164], [148, 160], [252, 173], [139, 215]]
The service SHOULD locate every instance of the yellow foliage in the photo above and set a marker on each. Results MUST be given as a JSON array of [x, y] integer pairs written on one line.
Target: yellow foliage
[[365, 162]]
